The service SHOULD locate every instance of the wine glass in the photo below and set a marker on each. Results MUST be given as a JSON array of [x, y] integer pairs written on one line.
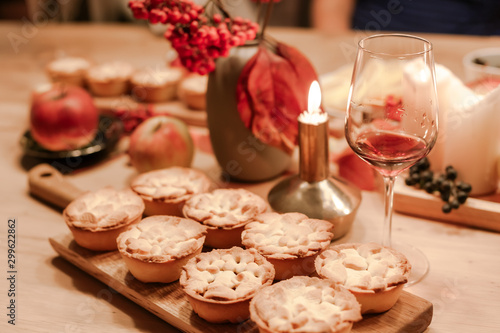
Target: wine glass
[[392, 116]]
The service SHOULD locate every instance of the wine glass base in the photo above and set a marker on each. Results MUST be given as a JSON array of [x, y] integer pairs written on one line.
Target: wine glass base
[[417, 259]]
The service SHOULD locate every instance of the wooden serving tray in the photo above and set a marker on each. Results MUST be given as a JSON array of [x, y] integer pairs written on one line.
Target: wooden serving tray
[[167, 301], [173, 108], [481, 212]]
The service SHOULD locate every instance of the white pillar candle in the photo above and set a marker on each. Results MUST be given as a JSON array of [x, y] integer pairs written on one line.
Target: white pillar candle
[[417, 90], [468, 138]]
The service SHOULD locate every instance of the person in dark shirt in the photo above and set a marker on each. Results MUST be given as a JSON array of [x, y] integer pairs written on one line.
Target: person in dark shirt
[[473, 17]]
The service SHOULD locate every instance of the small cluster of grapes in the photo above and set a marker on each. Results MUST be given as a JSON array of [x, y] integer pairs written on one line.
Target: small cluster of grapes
[[452, 192], [197, 38]]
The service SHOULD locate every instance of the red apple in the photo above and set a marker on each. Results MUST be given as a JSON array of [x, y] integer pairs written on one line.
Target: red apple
[[63, 117], [160, 142]]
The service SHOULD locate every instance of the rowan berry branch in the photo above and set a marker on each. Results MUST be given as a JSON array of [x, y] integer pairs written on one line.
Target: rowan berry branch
[[198, 38]]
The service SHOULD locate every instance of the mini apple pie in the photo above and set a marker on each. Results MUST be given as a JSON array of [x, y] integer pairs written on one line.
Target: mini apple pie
[[192, 91], [373, 273], [165, 191], [225, 212], [155, 85], [290, 241], [220, 284], [70, 70], [97, 218], [109, 79], [304, 304], [156, 249]]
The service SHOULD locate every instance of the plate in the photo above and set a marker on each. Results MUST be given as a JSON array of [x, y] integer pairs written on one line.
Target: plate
[[109, 132]]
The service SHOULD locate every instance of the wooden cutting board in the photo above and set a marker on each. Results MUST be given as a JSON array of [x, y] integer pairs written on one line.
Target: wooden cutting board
[[410, 314], [481, 212]]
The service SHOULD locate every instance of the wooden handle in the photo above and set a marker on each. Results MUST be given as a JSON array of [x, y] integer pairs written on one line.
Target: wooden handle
[[48, 184]]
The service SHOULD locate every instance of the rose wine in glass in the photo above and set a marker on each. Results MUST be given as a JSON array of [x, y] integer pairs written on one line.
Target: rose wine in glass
[[390, 153], [391, 119]]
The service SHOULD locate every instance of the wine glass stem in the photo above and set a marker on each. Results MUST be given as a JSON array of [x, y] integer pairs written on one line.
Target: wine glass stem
[[388, 200]]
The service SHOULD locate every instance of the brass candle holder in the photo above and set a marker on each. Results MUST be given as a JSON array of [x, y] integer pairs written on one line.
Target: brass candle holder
[[313, 191]]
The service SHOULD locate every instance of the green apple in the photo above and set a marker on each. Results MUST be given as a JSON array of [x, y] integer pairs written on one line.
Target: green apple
[[161, 142]]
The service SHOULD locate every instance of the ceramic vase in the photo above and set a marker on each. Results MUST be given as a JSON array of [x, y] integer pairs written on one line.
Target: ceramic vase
[[241, 155]]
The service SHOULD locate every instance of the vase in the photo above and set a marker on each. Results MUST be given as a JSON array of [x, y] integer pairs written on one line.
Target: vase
[[241, 155]]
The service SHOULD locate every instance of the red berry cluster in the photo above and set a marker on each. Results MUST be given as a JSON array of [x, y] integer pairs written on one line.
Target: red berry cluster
[[197, 38], [131, 118]]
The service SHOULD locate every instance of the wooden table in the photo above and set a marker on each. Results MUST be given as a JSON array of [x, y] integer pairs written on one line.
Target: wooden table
[[54, 296]]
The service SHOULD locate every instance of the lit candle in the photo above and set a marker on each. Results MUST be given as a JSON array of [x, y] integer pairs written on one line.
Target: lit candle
[[313, 191], [313, 139]]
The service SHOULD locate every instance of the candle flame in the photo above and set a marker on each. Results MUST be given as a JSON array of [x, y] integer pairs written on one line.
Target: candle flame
[[314, 100], [313, 114]]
